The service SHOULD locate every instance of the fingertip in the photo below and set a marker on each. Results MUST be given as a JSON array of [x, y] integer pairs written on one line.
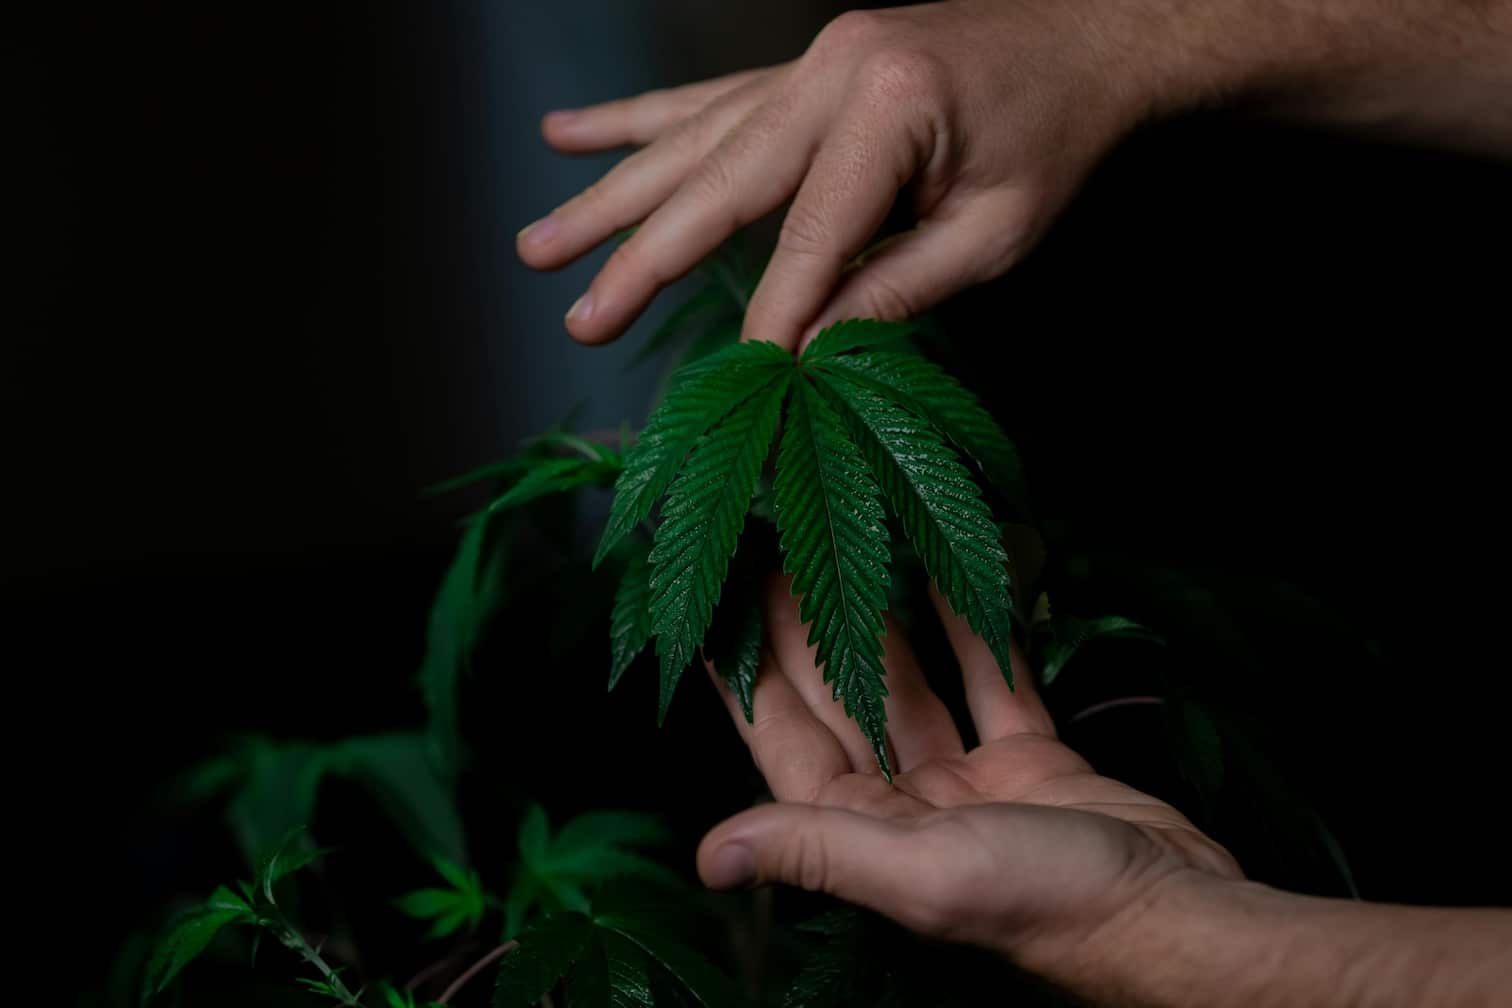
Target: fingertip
[[730, 865]]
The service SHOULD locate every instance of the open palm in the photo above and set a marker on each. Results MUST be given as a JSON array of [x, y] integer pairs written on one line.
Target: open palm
[[1017, 845]]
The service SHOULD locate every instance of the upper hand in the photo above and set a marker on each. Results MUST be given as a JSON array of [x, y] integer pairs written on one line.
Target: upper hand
[[1018, 845], [988, 115]]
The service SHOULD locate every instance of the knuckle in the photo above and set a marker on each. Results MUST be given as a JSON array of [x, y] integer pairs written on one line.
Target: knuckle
[[896, 74], [804, 231], [885, 301], [851, 30], [805, 860]]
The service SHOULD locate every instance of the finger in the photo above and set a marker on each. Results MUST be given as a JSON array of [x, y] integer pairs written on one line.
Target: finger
[[636, 121], [841, 204], [919, 725], [996, 710], [963, 242], [796, 754], [751, 172], [634, 187], [858, 858], [798, 662]]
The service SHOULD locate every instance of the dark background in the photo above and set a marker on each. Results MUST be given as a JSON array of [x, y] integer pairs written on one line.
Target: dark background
[[270, 294]]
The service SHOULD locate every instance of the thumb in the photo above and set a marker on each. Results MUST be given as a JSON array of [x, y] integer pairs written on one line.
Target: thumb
[[848, 855]]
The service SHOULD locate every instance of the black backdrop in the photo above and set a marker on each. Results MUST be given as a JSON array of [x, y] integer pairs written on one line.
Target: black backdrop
[[241, 346]]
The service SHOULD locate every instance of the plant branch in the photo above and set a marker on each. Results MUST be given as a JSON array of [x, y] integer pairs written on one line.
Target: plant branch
[[474, 970], [1107, 705], [291, 937]]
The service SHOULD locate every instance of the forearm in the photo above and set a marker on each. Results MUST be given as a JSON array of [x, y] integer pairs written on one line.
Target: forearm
[[1202, 941], [1436, 71]]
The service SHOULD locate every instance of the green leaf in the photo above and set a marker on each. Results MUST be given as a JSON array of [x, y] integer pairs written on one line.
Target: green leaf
[[709, 305], [396, 769], [834, 543], [708, 986], [611, 828], [701, 522], [292, 853], [533, 837], [471, 592], [923, 388], [834, 970], [630, 623], [546, 952], [613, 973], [553, 476], [734, 645], [501, 470], [941, 511], [1071, 632], [590, 850], [190, 934], [711, 389], [463, 904], [857, 334]]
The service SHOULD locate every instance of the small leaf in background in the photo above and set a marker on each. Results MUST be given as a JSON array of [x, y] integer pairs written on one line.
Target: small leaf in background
[[553, 476], [708, 307], [630, 622], [557, 872], [836, 970], [701, 522], [613, 972], [546, 951], [461, 904], [471, 592], [292, 853], [188, 935], [1070, 633], [714, 387], [834, 543], [939, 507], [393, 997], [708, 986]]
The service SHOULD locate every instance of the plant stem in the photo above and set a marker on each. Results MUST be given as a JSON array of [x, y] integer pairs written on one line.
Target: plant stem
[[1107, 705], [296, 941], [474, 970]]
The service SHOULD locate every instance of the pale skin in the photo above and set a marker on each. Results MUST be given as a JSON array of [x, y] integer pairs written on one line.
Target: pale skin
[[987, 115]]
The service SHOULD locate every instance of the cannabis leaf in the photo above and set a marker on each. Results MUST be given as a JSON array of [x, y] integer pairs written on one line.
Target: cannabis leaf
[[710, 389], [461, 904], [190, 934], [558, 872], [1070, 633], [471, 592], [862, 421], [558, 476], [701, 521], [939, 507], [615, 956], [924, 389], [856, 334], [630, 623], [830, 524]]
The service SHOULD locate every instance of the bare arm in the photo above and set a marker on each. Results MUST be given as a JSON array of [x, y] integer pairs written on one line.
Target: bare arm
[[1204, 941], [1433, 71]]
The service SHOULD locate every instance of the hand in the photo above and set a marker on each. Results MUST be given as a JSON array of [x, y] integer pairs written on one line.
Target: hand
[[989, 114], [1016, 846]]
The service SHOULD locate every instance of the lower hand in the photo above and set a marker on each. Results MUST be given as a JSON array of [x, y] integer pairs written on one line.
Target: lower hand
[[1016, 846]]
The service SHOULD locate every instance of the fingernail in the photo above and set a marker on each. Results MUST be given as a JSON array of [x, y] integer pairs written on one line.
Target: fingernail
[[582, 309], [732, 866], [540, 231]]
